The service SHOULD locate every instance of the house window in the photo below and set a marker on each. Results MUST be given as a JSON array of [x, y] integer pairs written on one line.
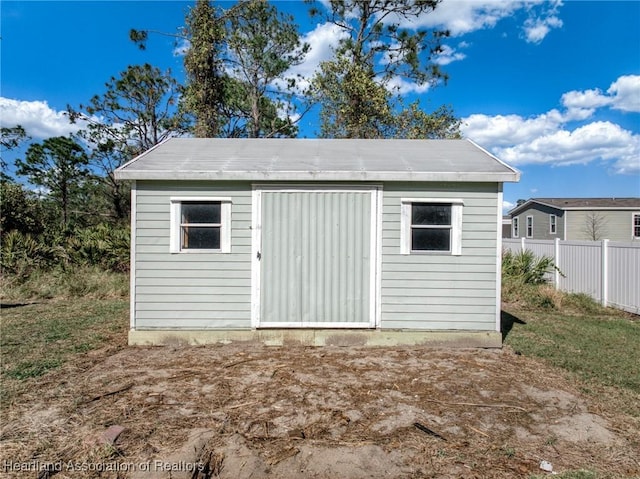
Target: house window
[[636, 225], [200, 225], [516, 227], [431, 226], [529, 226], [552, 224]]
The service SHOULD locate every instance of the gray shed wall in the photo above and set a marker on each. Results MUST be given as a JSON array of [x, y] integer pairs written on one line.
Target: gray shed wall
[[213, 290], [440, 291], [198, 290]]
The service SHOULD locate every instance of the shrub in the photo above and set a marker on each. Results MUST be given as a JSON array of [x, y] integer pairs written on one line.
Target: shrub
[[22, 254], [103, 245], [526, 268]]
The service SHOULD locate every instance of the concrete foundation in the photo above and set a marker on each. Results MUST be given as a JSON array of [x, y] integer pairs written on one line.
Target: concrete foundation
[[319, 337]]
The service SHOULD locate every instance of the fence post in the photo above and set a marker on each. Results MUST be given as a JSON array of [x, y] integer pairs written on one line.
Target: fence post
[[524, 248], [605, 272], [556, 261]]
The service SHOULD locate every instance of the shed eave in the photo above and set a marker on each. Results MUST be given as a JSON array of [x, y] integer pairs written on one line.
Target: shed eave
[[500, 177]]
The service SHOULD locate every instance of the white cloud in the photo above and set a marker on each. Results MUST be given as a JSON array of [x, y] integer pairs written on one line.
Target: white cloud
[[404, 87], [465, 16], [625, 92], [507, 206], [623, 95], [322, 41], [537, 27], [585, 99], [37, 118], [546, 139], [181, 48], [600, 140], [504, 130], [448, 55]]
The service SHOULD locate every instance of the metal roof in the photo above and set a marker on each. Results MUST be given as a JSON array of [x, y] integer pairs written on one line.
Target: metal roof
[[582, 204], [317, 159]]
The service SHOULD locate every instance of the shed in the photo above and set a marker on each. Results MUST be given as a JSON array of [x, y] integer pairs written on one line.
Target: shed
[[316, 242]]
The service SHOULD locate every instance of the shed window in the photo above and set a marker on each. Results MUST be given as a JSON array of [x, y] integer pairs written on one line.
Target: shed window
[[516, 227], [200, 225], [431, 226], [636, 225], [552, 224]]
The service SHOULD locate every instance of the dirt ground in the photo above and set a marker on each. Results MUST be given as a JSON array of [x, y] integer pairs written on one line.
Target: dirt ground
[[247, 411]]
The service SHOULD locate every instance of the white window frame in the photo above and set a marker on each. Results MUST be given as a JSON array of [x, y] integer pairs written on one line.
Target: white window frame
[[175, 244], [457, 205], [553, 224], [515, 227], [634, 215], [529, 226]]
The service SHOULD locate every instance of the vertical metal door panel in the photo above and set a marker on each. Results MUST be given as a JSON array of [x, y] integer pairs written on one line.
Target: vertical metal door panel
[[315, 258]]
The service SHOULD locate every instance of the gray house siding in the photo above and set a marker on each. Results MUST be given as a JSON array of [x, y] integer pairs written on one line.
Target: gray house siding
[[441, 291], [541, 222], [609, 224], [191, 290]]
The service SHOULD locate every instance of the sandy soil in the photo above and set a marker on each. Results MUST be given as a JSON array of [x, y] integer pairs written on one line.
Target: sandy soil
[[246, 411]]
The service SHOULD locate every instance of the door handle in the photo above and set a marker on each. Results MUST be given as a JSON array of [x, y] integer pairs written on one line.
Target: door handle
[[258, 255]]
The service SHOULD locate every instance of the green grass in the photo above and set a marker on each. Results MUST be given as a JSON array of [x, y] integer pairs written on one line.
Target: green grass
[[54, 317], [575, 333], [37, 337]]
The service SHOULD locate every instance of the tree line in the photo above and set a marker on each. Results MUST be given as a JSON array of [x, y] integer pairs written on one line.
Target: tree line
[[238, 84]]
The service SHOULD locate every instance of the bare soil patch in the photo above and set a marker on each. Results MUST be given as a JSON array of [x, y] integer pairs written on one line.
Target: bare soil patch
[[248, 411]]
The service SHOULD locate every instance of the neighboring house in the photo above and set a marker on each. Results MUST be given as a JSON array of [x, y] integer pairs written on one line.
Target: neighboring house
[[506, 227], [316, 242], [590, 219]]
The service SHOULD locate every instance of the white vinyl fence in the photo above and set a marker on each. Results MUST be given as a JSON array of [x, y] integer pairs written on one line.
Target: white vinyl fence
[[607, 271]]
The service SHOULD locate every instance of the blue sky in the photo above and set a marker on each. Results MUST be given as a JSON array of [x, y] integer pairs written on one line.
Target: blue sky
[[552, 88]]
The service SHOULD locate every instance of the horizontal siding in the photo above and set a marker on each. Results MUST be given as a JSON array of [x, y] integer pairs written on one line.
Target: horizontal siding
[[607, 224], [541, 222], [187, 276], [440, 291], [206, 290], [198, 303], [439, 322], [436, 296], [191, 290], [170, 282], [422, 310]]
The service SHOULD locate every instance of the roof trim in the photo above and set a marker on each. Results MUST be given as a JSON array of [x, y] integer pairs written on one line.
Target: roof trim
[[317, 176], [117, 172], [531, 201], [515, 171], [524, 206]]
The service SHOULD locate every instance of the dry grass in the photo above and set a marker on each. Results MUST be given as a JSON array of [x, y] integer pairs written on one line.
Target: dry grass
[[251, 411], [499, 413]]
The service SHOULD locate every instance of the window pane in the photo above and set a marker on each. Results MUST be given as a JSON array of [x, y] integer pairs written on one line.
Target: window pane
[[430, 239], [201, 212], [200, 237], [430, 214]]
